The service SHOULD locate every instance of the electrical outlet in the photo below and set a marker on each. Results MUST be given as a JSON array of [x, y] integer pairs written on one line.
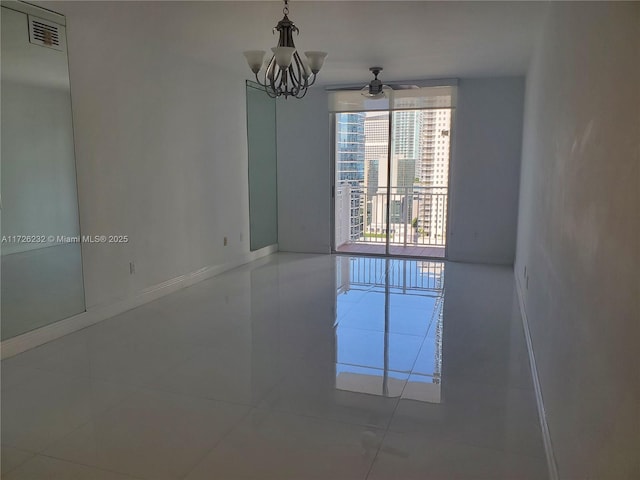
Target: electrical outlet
[[132, 268], [225, 241]]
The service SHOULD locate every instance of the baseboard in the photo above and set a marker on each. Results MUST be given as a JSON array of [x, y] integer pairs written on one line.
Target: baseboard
[[93, 315], [552, 466]]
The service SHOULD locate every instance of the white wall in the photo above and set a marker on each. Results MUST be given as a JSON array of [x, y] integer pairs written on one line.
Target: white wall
[[161, 147], [304, 173], [485, 170], [578, 234]]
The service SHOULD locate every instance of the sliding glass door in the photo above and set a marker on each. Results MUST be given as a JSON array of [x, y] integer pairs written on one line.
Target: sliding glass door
[[392, 176]]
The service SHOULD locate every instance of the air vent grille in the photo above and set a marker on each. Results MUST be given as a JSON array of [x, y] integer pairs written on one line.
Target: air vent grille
[[45, 33]]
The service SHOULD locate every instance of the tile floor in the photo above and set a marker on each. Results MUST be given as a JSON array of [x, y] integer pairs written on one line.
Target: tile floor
[[292, 367]]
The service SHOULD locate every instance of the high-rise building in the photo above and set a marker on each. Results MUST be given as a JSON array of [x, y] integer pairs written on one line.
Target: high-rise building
[[372, 169], [405, 154], [418, 175], [376, 133], [433, 175], [405, 174], [434, 168], [350, 148], [407, 138], [350, 166]]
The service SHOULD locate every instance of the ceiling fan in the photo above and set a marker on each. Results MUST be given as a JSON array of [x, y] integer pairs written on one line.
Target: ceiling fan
[[376, 89]]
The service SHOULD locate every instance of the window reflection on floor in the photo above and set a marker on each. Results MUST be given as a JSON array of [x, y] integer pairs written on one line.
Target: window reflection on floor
[[389, 327]]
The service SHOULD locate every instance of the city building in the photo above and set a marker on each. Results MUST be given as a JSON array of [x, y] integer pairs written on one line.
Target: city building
[[419, 172], [350, 166], [376, 149], [433, 176]]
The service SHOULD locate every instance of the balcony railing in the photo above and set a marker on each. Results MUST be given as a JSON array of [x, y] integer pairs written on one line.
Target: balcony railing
[[416, 215]]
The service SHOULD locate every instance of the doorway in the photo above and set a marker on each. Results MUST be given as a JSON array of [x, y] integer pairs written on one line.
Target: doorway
[[391, 190]]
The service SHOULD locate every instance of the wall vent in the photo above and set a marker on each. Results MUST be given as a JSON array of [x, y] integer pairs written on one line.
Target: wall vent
[[45, 33]]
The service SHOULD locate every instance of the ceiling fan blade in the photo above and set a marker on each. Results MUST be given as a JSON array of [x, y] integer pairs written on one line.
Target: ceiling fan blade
[[376, 89]]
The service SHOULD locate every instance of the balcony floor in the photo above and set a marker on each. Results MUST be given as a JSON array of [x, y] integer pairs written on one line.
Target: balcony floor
[[368, 248]]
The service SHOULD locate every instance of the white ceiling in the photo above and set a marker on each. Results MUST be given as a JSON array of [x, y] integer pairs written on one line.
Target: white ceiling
[[411, 40]]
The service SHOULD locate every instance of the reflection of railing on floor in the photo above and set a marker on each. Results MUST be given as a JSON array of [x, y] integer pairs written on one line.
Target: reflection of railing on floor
[[417, 215], [404, 275]]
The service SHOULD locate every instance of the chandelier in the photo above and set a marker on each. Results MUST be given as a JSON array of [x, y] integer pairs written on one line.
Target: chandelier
[[287, 73]]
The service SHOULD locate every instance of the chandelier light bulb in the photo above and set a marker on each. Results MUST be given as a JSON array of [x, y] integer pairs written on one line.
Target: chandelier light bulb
[[255, 59], [283, 56], [316, 59]]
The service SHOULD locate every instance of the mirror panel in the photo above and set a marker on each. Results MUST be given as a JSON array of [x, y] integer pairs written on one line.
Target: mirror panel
[[263, 197], [41, 254]]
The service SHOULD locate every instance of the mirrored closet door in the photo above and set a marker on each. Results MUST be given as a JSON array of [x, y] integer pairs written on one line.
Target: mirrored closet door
[[41, 256]]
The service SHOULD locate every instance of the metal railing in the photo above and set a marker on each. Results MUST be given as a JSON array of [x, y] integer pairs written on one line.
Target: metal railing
[[416, 215]]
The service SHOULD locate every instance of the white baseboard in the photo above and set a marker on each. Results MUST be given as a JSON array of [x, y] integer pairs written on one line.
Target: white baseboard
[[552, 466], [34, 338]]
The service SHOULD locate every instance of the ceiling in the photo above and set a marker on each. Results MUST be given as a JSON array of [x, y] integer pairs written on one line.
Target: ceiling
[[411, 40]]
